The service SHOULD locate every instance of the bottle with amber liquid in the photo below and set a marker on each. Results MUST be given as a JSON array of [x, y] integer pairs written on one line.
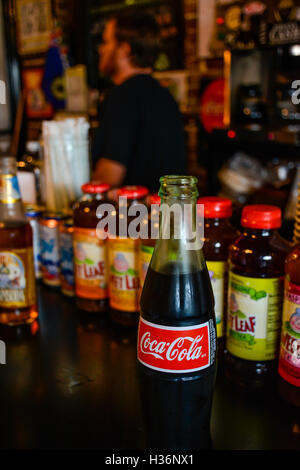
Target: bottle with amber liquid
[[90, 251], [289, 358], [219, 234], [255, 296], [17, 277], [124, 281]]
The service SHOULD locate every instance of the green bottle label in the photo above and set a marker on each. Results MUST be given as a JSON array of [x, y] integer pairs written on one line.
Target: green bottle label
[[144, 261], [254, 317], [217, 273]]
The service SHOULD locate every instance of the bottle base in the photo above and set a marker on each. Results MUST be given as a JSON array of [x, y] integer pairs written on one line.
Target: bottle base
[[250, 374], [176, 412], [130, 319], [55, 284], [68, 293], [92, 306], [16, 317], [288, 392]]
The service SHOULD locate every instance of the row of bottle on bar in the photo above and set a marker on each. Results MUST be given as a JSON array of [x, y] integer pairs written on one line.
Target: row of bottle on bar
[[100, 272], [248, 271], [256, 285]]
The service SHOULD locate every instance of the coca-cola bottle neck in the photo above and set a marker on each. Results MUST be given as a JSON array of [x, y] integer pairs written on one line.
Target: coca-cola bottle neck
[[11, 206], [179, 239]]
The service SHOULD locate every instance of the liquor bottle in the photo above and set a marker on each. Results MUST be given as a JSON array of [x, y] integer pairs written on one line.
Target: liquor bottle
[[17, 277], [177, 328]]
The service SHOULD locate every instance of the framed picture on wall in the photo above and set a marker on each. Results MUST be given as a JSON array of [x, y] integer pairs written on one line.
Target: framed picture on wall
[[206, 27], [177, 83], [36, 104], [34, 24]]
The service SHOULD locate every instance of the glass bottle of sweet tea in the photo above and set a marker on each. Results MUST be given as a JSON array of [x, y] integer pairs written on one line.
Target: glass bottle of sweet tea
[[219, 234], [17, 277], [255, 295], [124, 260], [289, 357], [147, 244], [90, 251]]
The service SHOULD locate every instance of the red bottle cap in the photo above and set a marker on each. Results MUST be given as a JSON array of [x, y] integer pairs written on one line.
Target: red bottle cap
[[261, 216], [216, 207], [133, 192], [154, 199], [95, 187]]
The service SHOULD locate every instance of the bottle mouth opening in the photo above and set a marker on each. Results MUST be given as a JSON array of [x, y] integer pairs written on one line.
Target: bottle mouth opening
[[178, 186], [180, 180]]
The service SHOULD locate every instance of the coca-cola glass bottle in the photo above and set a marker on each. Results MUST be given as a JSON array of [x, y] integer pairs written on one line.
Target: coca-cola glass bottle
[[177, 328]]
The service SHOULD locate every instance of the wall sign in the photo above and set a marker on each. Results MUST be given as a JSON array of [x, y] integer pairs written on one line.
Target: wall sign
[[34, 24]]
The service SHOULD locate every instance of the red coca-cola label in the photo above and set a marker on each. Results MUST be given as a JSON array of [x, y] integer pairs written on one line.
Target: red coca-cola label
[[176, 350]]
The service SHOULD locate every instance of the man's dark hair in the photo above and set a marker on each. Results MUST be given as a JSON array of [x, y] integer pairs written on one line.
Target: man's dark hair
[[141, 32]]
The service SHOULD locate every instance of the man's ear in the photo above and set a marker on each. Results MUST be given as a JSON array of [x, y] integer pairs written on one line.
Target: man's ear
[[125, 49]]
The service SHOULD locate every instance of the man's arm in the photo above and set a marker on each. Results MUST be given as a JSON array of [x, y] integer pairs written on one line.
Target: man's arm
[[109, 171]]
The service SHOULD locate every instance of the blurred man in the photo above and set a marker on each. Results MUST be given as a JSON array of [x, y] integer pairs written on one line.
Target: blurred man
[[140, 136]]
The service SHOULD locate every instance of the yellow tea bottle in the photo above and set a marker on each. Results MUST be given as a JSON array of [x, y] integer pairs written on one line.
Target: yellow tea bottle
[[255, 295], [90, 252], [124, 281]]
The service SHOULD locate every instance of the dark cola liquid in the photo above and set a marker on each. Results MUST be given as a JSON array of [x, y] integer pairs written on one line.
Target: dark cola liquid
[[176, 298], [177, 407]]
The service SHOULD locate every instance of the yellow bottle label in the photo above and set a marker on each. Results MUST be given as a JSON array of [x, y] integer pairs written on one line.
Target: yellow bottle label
[[144, 261], [124, 274], [17, 278], [254, 317], [217, 272], [90, 260]]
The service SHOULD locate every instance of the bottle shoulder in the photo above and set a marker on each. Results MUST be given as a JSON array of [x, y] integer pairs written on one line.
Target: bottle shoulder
[[261, 256], [216, 246], [86, 211], [274, 242], [16, 234], [292, 265], [174, 297], [219, 234]]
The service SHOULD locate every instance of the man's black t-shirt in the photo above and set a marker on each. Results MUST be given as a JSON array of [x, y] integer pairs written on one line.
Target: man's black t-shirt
[[141, 127]]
